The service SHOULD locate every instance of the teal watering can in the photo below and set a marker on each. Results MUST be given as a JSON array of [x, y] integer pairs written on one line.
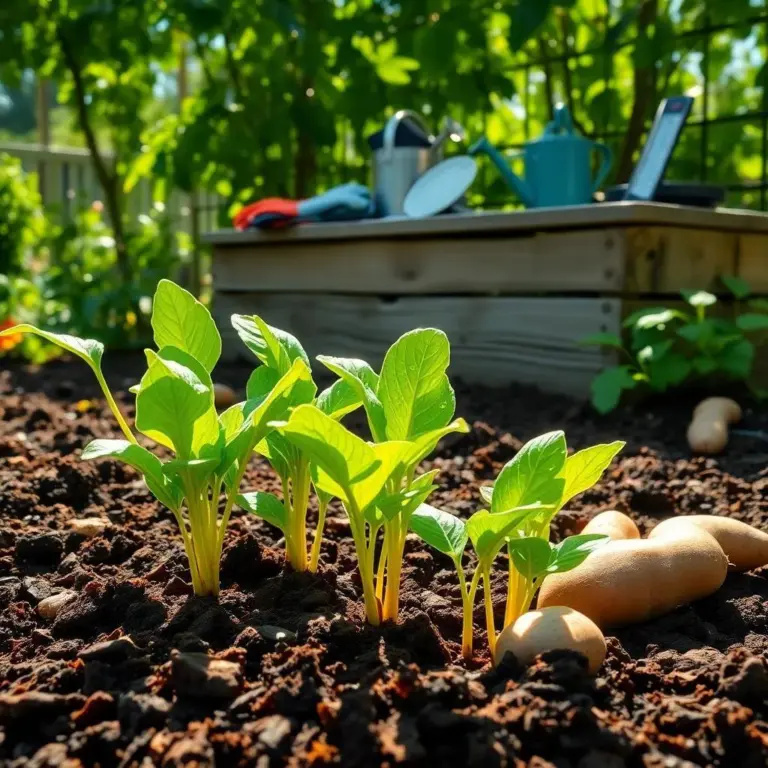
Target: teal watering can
[[558, 165]]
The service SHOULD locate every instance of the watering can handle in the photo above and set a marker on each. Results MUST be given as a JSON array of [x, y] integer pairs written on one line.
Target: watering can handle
[[605, 165], [390, 129]]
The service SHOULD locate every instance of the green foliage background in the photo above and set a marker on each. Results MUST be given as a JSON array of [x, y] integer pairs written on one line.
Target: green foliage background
[[281, 94]]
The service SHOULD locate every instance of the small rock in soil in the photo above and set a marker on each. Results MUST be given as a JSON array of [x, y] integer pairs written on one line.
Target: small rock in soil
[[90, 527], [69, 563], [98, 707], [110, 651], [177, 586], [37, 589], [43, 548], [51, 606], [276, 634], [748, 684], [137, 711], [35, 704], [200, 676]]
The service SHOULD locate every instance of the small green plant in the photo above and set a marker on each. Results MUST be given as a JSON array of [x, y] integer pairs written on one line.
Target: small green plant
[[175, 408], [277, 351], [409, 407], [669, 347], [528, 493]]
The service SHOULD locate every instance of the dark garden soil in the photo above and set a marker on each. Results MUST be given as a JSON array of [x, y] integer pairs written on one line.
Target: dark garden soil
[[292, 675]]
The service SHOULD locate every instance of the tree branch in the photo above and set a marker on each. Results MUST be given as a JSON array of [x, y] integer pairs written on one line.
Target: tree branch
[[108, 180]]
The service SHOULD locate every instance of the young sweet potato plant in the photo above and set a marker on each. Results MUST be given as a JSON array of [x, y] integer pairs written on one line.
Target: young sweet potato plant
[[278, 350], [175, 408], [528, 493], [409, 407]]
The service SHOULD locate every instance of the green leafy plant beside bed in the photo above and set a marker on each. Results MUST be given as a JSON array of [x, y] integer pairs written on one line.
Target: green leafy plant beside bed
[[671, 347], [529, 491]]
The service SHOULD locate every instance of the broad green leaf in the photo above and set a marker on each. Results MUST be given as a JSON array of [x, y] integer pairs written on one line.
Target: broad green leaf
[[608, 386], [164, 490], [389, 457], [759, 304], [737, 359], [699, 298], [192, 473], [672, 370], [338, 455], [441, 530], [261, 382], [275, 348], [291, 388], [704, 364], [89, 350], [414, 370], [574, 550], [339, 399], [171, 399], [427, 442], [405, 500], [486, 493], [488, 531], [697, 333], [266, 506], [180, 320], [364, 380], [602, 340], [231, 420], [434, 409], [531, 556], [752, 322], [584, 468], [533, 475], [738, 286], [281, 454]]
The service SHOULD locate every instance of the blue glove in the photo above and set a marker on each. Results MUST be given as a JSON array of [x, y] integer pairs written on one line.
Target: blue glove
[[345, 203]]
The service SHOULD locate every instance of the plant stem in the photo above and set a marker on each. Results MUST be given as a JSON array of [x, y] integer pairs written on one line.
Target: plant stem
[[296, 543], [364, 564], [394, 569], [113, 407], [489, 621], [513, 588], [322, 504], [382, 569], [467, 606]]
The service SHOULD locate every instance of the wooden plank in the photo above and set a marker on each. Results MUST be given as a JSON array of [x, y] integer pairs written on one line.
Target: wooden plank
[[494, 340], [753, 262], [666, 260], [499, 222], [570, 262]]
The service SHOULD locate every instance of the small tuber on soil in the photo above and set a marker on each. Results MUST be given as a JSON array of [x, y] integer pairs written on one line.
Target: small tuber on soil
[[551, 629], [628, 581], [708, 430], [745, 547], [615, 525]]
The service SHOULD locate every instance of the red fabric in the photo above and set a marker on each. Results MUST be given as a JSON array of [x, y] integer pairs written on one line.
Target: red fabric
[[275, 205]]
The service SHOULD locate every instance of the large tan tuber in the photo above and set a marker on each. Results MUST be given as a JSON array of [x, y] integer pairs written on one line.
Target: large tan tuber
[[708, 430], [551, 629], [745, 547], [628, 581]]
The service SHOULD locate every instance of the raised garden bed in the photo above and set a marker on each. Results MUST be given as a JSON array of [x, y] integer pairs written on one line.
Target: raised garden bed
[[299, 679], [515, 292]]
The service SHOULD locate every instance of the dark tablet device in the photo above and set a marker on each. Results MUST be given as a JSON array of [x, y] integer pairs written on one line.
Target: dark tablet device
[[667, 125]]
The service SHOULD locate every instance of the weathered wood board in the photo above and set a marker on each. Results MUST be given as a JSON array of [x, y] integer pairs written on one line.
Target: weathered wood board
[[563, 262], [494, 340]]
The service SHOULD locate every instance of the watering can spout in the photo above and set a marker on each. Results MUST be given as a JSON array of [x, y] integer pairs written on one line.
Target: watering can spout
[[513, 181]]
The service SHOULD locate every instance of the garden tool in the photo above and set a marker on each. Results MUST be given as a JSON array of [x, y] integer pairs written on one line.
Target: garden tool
[[345, 203], [402, 152], [558, 165]]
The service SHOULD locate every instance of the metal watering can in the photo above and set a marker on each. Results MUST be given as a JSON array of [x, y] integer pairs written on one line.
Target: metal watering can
[[396, 166], [558, 165]]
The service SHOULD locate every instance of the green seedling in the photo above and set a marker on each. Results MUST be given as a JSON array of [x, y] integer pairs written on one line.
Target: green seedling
[[669, 347], [528, 493], [175, 409], [277, 351], [410, 401]]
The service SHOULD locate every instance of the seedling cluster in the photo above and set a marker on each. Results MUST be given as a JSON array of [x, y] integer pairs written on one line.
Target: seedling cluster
[[409, 405]]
